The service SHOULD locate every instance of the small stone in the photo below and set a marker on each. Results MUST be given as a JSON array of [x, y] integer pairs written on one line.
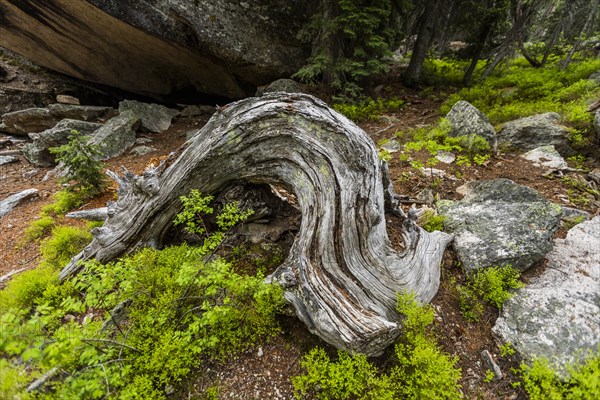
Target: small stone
[[169, 390], [30, 173], [547, 157], [491, 365], [66, 99], [445, 156], [142, 150], [143, 140], [426, 196], [392, 146], [260, 352]]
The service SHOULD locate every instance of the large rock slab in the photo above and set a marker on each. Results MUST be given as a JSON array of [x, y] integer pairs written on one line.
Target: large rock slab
[[466, 120], [8, 204], [26, 121], [31, 120], [557, 316], [161, 48], [117, 135], [500, 223], [536, 131], [38, 152], [153, 117]]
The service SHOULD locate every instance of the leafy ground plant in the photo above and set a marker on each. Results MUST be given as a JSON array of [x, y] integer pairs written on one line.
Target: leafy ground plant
[[541, 382], [491, 285], [179, 308], [421, 370]]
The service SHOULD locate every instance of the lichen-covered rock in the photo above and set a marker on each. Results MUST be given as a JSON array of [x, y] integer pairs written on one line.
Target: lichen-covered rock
[[536, 131], [38, 152], [162, 48], [501, 223], [152, 117], [557, 316], [117, 135], [546, 157], [466, 120]]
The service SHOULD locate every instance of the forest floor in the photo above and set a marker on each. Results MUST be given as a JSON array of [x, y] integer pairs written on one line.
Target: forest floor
[[266, 372]]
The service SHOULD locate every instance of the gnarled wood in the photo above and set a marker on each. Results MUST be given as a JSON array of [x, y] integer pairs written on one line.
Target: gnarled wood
[[342, 274]]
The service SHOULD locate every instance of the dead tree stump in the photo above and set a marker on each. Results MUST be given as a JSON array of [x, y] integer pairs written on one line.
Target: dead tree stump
[[342, 274]]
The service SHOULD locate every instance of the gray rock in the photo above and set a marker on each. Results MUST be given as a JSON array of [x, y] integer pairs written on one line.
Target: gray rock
[[142, 150], [595, 77], [500, 223], [9, 203], [282, 85], [82, 113], [215, 47], [143, 140], [195, 111], [391, 146], [557, 316], [30, 120], [536, 131], [547, 157], [569, 214], [66, 99], [466, 120], [7, 160], [445, 156], [117, 135], [96, 214], [490, 363], [37, 152], [153, 117], [597, 125], [594, 175]]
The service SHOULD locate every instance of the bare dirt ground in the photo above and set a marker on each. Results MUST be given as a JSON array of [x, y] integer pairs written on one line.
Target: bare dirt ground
[[265, 372]]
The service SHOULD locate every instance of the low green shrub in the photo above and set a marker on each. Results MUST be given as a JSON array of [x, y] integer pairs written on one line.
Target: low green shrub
[[368, 109], [63, 244], [24, 289], [421, 370], [519, 90], [64, 201], [39, 228], [431, 221], [491, 285], [184, 306], [541, 382], [438, 139]]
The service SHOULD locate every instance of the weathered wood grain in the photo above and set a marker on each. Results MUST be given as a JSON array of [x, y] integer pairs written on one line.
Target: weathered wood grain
[[342, 274]]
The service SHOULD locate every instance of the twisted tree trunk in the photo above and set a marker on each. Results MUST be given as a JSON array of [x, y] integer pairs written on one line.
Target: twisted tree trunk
[[341, 275]]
